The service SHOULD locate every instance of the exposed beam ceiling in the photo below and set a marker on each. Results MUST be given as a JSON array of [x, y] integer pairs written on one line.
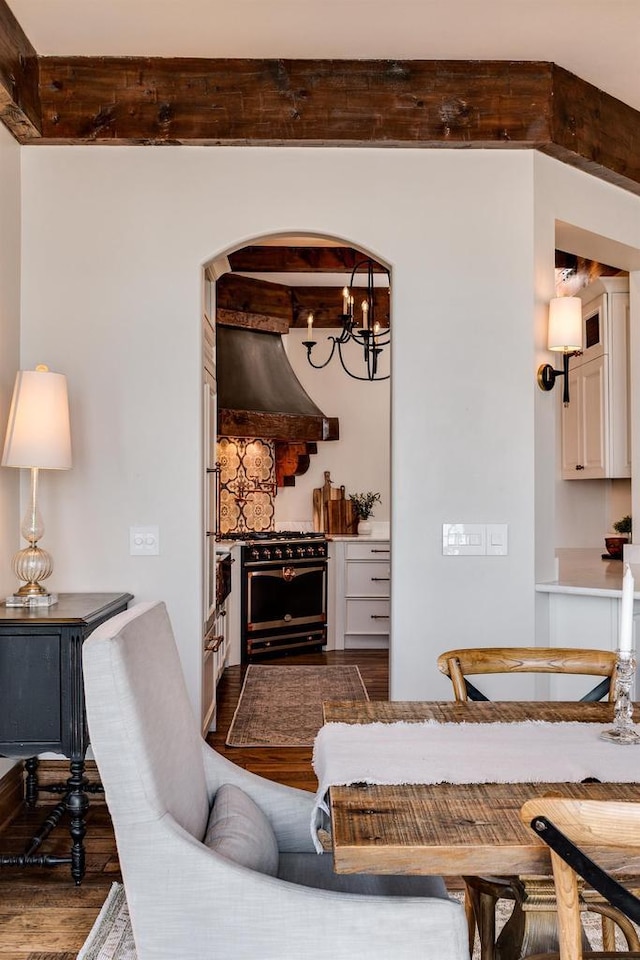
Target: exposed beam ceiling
[[412, 103]]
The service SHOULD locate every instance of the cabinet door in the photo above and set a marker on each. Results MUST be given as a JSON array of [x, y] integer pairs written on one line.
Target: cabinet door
[[584, 420], [595, 416]]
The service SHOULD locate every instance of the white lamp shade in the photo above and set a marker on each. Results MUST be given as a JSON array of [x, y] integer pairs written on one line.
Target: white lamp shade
[[565, 324], [38, 433]]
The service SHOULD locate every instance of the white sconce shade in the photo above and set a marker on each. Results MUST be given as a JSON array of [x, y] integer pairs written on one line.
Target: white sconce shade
[[38, 433], [565, 324]]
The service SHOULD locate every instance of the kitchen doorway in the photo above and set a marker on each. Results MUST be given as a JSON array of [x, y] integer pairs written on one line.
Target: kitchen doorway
[[268, 482]]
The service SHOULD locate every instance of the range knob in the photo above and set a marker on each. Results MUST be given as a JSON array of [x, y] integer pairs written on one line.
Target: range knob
[[310, 551], [277, 553], [300, 551], [288, 553], [266, 553], [255, 554]]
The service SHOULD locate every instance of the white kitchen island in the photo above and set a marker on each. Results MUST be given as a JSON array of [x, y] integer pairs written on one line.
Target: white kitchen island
[[581, 608]]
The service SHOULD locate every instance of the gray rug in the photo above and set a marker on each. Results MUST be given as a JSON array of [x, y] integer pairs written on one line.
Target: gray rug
[[111, 937], [281, 706]]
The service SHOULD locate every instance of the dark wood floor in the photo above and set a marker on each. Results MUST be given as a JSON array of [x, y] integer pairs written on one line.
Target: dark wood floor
[[44, 916]]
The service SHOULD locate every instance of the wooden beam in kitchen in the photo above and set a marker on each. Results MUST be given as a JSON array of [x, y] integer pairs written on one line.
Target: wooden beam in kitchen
[[325, 303], [19, 98], [275, 259], [253, 304], [277, 426]]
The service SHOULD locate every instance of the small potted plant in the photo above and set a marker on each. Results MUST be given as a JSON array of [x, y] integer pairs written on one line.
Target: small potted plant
[[615, 545], [363, 504]]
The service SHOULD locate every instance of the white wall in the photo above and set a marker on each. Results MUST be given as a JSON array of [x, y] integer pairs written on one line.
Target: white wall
[[114, 240], [604, 225], [359, 460], [9, 344]]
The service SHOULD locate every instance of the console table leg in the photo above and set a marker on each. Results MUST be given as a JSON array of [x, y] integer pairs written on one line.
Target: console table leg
[[31, 783], [77, 805]]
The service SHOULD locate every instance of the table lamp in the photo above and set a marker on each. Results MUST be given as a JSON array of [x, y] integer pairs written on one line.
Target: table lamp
[[38, 437]]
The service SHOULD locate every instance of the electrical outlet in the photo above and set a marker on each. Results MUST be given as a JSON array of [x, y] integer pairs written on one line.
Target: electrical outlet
[[144, 541]]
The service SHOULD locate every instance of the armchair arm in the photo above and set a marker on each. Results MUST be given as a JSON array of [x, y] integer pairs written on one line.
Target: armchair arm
[[288, 809]]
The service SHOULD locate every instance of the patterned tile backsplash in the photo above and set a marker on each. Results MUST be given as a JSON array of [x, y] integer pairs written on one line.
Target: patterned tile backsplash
[[247, 484]]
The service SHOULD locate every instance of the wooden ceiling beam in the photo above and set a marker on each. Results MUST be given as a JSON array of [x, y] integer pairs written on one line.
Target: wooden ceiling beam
[[392, 103], [19, 99], [274, 259]]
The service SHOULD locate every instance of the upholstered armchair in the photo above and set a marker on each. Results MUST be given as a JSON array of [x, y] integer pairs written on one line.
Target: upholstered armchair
[[217, 862]]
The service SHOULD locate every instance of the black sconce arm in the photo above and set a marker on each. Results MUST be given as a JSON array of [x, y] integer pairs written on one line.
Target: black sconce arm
[[547, 375]]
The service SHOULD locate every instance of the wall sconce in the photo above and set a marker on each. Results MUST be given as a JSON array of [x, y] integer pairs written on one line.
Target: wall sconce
[[565, 336], [38, 437]]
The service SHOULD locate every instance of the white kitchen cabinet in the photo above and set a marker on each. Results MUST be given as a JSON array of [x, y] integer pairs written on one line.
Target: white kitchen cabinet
[[214, 661], [596, 424], [359, 612]]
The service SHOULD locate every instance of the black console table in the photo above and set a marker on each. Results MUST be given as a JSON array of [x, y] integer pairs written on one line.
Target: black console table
[[42, 707]]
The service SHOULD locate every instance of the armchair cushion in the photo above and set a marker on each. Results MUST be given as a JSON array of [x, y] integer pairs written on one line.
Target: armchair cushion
[[239, 831]]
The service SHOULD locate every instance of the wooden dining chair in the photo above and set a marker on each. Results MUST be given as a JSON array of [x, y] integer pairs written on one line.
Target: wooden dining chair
[[483, 893], [458, 665], [563, 823]]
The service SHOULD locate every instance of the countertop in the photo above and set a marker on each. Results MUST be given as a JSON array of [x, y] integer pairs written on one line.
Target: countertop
[[582, 571]]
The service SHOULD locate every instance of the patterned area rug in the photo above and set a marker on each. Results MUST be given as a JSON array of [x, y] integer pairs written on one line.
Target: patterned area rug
[[281, 706], [111, 937]]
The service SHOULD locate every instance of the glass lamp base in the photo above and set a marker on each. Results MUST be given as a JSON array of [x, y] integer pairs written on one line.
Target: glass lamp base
[[620, 736], [35, 600]]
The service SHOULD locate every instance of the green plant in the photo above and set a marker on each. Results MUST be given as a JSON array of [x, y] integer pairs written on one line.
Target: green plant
[[623, 526], [363, 504]]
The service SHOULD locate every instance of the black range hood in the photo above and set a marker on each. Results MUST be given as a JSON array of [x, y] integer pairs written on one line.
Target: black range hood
[[258, 393]]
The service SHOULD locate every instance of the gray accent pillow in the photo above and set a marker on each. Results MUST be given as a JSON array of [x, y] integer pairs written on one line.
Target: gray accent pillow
[[239, 831]]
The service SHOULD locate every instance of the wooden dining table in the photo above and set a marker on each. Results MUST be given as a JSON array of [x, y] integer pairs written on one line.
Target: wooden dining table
[[467, 829]]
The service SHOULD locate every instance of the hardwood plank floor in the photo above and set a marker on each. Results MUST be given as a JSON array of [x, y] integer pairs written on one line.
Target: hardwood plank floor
[[44, 916]]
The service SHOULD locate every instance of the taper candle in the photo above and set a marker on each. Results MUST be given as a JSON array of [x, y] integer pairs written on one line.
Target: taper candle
[[625, 644]]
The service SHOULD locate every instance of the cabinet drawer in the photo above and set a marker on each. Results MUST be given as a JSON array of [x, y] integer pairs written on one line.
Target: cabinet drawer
[[367, 616], [369, 550], [371, 579]]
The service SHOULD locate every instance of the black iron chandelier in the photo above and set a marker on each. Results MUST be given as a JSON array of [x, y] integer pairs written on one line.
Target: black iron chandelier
[[361, 329]]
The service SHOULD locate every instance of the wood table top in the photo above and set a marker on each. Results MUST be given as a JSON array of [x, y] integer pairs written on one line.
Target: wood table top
[[458, 829]]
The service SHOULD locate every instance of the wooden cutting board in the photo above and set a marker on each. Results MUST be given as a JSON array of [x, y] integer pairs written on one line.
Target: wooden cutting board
[[332, 510]]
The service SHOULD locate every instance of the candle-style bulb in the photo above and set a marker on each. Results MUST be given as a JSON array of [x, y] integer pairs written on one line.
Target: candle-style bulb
[[365, 314], [345, 300], [310, 326]]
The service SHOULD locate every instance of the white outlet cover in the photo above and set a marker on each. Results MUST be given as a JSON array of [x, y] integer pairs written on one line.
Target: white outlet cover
[[144, 541]]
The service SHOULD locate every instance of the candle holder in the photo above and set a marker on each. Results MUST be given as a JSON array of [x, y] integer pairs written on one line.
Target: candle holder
[[624, 729]]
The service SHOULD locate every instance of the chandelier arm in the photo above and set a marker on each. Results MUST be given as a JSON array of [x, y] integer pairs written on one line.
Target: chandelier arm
[[310, 344]]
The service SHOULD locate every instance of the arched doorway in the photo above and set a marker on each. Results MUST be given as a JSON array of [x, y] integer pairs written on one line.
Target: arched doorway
[[275, 482]]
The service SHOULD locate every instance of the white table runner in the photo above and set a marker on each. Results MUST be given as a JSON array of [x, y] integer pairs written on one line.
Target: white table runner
[[433, 752]]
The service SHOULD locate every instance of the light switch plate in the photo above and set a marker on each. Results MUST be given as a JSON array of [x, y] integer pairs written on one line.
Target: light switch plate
[[475, 539], [463, 539], [144, 541], [497, 539]]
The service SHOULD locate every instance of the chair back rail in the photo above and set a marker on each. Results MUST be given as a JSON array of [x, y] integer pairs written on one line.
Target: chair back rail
[[461, 663]]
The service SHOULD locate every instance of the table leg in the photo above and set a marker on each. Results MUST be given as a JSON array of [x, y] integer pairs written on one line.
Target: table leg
[[533, 926], [31, 782], [77, 803]]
